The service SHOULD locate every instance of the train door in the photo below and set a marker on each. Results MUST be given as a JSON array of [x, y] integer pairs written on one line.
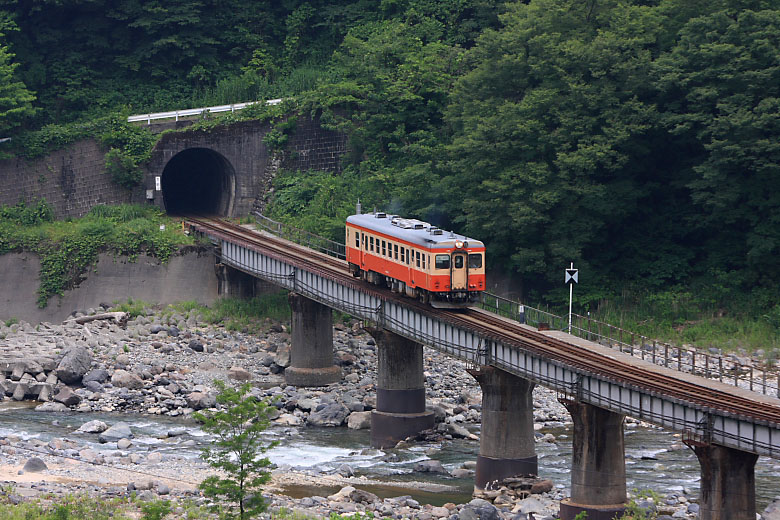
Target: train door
[[458, 274]]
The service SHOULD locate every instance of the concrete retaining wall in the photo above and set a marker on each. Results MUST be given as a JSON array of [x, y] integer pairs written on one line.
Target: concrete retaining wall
[[188, 277]]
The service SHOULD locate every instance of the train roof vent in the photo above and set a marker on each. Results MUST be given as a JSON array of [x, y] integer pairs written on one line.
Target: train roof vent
[[381, 215], [419, 225], [437, 231]]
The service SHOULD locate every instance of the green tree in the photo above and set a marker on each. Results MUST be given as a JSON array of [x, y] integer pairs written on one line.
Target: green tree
[[238, 426], [548, 126], [721, 84], [15, 99]]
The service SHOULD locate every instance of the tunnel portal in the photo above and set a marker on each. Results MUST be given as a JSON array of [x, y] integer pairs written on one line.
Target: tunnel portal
[[198, 181]]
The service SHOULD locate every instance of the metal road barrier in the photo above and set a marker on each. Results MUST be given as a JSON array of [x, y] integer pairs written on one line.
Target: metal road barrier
[[176, 114]]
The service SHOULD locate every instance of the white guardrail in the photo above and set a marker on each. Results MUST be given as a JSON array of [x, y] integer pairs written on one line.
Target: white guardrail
[[176, 114]]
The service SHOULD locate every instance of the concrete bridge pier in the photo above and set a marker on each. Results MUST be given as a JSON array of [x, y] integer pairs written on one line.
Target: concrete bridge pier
[[234, 283], [728, 483], [506, 443], [598, 473], [400, 393], [311, 355]]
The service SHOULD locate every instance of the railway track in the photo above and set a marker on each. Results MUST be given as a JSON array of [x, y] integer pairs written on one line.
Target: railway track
[[631, 372]]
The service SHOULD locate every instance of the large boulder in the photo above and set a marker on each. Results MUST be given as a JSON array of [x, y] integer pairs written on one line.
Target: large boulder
[[93, 427], [34, 465], [125, 379], [74, 364], [331, 415], [201, 400], [99, 375], [359, 420], [118, 431], [67, 397]]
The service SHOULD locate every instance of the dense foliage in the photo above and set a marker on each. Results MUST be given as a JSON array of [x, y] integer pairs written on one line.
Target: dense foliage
[[638, 139]]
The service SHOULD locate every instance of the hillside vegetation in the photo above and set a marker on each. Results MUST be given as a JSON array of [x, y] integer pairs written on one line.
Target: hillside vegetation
[[639, 139]]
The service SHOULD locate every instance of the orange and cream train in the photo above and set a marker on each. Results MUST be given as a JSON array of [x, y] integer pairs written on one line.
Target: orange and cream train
[[415, 258]]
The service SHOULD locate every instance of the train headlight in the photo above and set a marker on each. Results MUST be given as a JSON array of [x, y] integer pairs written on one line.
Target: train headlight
[[459, 244]]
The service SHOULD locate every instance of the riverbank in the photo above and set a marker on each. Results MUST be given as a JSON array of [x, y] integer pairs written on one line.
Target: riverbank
[[163, 364]]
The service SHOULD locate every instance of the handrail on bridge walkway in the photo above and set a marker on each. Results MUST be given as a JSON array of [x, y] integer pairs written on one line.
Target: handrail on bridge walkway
[[727, 369]]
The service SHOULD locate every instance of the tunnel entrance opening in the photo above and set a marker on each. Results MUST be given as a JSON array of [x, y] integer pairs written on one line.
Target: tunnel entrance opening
[[198, 181]]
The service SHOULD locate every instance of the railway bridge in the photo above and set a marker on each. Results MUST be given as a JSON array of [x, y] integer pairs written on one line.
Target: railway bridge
[[727, 427]]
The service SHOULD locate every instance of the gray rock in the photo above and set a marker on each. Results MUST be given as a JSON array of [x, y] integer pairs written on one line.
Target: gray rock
[[430, 466], [67, 397], [772, 511], [116, 432], [98, 375], [201, 400], [283, 356], [163, 489], [196, 345], [93, 386], [359, 420], [124, 379], [479, 512], [74, 365], [34, 465], [239, 374], [332, 414], [123, 444], [93, 427], [51, 407]]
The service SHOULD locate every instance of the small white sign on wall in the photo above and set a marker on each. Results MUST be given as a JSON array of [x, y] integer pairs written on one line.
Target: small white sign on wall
[[157, 183]]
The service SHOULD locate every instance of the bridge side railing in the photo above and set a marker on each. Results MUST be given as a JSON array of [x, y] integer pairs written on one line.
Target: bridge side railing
[[301, 237], [690, 360], [190, 112]]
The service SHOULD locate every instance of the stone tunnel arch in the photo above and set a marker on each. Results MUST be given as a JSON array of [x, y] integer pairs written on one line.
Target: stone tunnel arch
[[198, 181]]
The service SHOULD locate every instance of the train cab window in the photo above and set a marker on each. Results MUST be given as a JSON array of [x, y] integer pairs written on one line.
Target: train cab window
[[475, 260], [395, 251], [372, 244], [442, 261], [459, 262]]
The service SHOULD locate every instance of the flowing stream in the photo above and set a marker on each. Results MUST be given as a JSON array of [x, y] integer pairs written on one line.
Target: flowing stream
[[651, 460]]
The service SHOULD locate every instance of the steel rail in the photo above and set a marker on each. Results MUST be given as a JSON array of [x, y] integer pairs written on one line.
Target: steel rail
[[638, 374]]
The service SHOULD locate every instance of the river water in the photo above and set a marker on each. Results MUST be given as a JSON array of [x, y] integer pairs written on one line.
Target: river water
[[652, 462]]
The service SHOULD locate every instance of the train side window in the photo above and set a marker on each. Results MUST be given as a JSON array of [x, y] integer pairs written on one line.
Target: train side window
[[442, 261], [408, 256], [417, 256], [372, 244], [384, 248], [395, 251], [357, 239], [403, 255], [475, 260], [423, 261]]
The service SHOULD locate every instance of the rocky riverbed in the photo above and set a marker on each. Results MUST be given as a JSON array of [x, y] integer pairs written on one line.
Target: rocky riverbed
[[164, 364]]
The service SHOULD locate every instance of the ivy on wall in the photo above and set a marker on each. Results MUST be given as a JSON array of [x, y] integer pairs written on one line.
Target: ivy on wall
[[68, 249]]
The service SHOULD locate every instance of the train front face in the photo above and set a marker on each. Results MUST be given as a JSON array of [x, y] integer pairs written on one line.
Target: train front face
[[458, 270]]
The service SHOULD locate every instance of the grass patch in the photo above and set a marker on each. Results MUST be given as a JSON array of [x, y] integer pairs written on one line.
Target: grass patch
[[67, 249], [678, 318], [132, 307], [251, 316], [71, 507]]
